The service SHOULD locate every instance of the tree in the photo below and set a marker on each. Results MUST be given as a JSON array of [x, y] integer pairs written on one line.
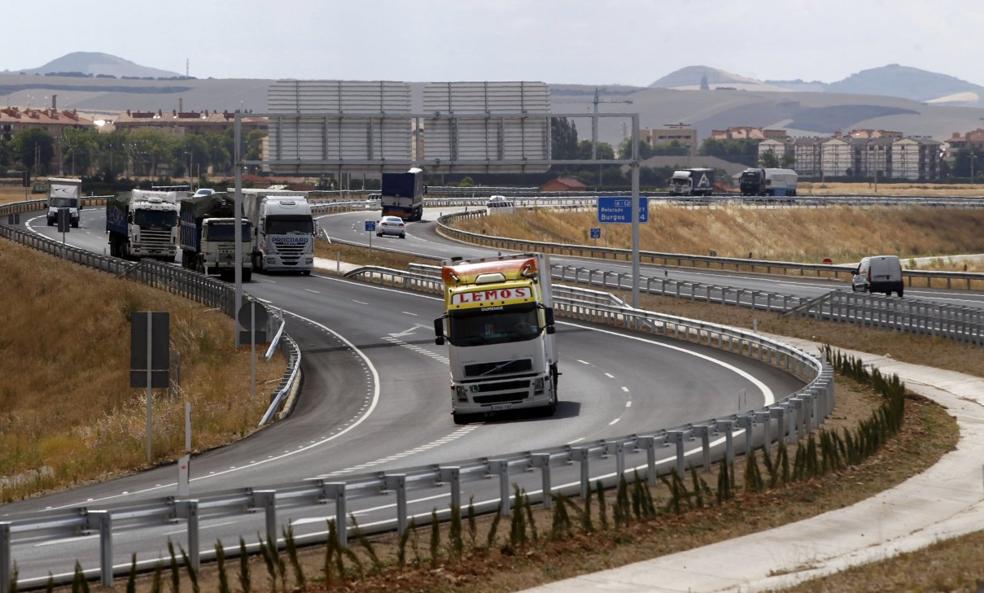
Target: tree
[[769, 160], [79, 147], [563, 138], [605, 150], [737, 151], [254, 144], [962, 166], [30, 143], [788, 160]]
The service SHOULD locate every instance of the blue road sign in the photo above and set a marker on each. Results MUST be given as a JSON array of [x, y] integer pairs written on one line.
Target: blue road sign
[[596, 233], [370, 225], [619, 209]]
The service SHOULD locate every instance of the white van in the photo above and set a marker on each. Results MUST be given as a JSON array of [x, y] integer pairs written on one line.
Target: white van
[[878, 273], [499, 205]]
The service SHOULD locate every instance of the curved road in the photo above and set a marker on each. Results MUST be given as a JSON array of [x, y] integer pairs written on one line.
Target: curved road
[[375, 397]]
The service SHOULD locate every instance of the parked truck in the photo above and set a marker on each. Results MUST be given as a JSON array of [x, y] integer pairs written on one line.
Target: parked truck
[[207, 236], [692, 182], [768, 182], [402, 194], [499, 326], [143, 223], [64, 193], [283, 230]]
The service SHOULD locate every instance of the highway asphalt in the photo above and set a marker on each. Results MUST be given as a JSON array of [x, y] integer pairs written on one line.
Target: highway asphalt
[[375, 398]]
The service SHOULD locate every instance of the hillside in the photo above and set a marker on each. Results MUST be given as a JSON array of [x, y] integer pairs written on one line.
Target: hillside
[[96, 63], [905, 82], [691, 77]]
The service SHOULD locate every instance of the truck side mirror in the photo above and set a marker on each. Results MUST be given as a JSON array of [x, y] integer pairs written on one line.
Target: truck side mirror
[[549, 316], [439, 331]]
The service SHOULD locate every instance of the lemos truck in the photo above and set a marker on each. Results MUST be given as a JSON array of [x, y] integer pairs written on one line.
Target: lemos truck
[[143, 224], [64, 193], [499, 325], [402, 194], [283, 229], [692, 182], [768, 182], [208, 239]]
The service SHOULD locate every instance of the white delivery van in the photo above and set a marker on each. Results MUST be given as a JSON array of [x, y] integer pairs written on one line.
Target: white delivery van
[[878, 273]]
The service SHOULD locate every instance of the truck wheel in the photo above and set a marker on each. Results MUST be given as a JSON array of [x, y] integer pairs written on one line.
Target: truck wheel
[[258, 262], [900, 292], [461, 418], [75, 224]]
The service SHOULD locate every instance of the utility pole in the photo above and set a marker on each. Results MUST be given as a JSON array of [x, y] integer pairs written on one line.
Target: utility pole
[[594, 128]]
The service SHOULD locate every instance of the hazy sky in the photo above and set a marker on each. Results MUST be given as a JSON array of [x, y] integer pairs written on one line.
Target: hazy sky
[[581, 41]]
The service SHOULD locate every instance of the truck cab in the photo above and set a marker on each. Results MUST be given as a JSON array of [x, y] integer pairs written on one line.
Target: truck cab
[[284, 230], [64, 193], [499, 327], [143, 224], [692, 182]]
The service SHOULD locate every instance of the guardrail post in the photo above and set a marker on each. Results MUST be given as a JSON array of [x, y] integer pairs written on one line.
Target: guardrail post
[[582, 456], [678, 437], [799, 419], [649, 444], [188, 510], [766, 419], [542, 461], [398, 482], [267, 500], [452, 475], [5, 557], [747, 424], [500, 467], [335, 491], [704, 432], [779, 413], [618, 449], [103, 521], [727, 426]]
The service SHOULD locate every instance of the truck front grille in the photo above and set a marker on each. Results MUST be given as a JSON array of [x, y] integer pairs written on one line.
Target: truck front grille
[[155, 239], [499, 398], [290, 251], [484, 387], [508, 367]]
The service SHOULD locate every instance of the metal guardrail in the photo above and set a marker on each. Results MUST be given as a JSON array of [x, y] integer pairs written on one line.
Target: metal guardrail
[[691, 445], [444, 227], [963, 324]]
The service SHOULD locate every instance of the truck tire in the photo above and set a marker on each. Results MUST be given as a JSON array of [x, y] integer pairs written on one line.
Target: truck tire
[[258, 262], [900, 292], [461, 418], [75, 224]]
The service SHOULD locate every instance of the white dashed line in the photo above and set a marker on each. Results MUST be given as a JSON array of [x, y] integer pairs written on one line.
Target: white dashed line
[[628, 404], [614, 422], [409, 313], [397, 456], [359, 302], [625, 389], [577, 440], [609, 375], [583, 361], [312, 291]]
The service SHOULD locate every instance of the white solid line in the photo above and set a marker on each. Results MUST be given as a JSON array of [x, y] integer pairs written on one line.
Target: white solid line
[[312, 291], [359, 302], [614, 422], [577, 440]]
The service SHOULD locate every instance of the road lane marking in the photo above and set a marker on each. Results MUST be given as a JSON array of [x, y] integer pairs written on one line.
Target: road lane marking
[[583, 361], [609, 375], [625, 389], [615, 421], [409, 313], [312, 291], [359, 302]]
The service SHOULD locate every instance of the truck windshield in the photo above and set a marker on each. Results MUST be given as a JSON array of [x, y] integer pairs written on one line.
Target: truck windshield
[[289, 225], [479, 328], [222, 231], [163, 218], [63, 203]]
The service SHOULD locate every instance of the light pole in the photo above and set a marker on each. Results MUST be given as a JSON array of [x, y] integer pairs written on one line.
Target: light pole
[[594, 129]]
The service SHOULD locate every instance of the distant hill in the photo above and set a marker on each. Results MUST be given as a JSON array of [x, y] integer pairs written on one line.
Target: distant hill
[[894, 80], [95, 64]]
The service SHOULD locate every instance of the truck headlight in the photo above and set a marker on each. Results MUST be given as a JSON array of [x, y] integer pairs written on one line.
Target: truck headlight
[[538, 385], [461, 392]]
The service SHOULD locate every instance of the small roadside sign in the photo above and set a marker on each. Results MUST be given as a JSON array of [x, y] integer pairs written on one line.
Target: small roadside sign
[[64, 220], [596, 233], [248, 313], [370, 226], [618, 209]]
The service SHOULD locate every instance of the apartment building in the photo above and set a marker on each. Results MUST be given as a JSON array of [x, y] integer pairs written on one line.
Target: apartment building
[[683, 135]]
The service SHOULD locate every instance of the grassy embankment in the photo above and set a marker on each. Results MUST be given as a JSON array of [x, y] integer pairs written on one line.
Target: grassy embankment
[[836, 188], [67, 413], [809, 235], [16, 194], [927, 433]]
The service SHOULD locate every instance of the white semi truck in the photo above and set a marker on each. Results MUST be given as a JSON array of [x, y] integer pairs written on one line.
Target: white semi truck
[[283, 229], [143, 224], [499, 326], [64, 193], [208, 236]]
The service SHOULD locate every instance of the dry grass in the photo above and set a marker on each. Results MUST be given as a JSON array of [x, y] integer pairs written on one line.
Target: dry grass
[[67, 408], [15, 194], [844, 234], [815, 188], [927, 434], [363, 257], [945, 263]]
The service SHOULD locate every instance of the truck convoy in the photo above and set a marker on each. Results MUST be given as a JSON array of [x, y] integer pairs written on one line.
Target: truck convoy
[[143, 224], [283, 230], [208, 237], [498, 322], [403, 194], [692, 182], [768, 182], [64, 193]]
